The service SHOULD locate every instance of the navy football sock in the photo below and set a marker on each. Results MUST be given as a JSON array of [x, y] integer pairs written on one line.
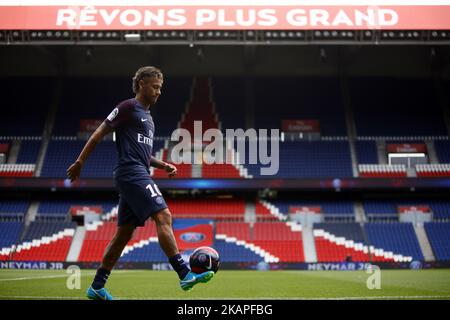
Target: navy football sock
[[179, 265], [100, 278]]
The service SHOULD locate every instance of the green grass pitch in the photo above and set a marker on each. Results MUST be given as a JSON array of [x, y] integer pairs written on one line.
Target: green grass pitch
[[227, 284]]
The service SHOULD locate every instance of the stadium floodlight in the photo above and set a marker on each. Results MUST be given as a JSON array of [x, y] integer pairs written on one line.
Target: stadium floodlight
[[132, 37]]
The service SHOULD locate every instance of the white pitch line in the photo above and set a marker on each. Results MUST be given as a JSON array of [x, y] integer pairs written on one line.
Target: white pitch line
[[65, 275], [43, 277]]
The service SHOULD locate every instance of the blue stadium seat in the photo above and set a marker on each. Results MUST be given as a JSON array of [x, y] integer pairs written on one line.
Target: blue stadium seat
[[10, 233], [366, 152], [439, 237], [319, 159], [396, 237], [38, 229], [29, 151]]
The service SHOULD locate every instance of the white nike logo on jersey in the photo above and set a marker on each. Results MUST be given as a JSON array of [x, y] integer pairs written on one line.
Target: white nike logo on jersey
[[143, 120]]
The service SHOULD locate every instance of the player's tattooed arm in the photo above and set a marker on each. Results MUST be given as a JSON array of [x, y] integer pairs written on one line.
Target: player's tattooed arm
[[169, 168], [74, 171]]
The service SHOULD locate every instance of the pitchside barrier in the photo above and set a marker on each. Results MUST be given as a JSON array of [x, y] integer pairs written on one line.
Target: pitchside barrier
[[259, 266]]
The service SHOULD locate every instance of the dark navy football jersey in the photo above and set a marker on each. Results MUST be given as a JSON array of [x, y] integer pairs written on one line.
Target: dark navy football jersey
[[134, 129]]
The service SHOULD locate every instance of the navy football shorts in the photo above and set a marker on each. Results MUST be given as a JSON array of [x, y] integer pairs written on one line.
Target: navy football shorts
[[139, 199]]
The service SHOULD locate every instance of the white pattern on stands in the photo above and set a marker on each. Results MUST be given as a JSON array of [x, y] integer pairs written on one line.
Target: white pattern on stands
[[342, 241], [27, 245], [139, 244], [268, 257], [273, 210]]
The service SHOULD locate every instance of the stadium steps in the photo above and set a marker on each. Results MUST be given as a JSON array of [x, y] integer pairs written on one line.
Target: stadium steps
[[431, 151], [250, 211], [411, 172], [14, 151], [49, 124], [309, 246], [424, 243], [381, 151], [31, 212], [360, 216], [350, 122], [77, 243]]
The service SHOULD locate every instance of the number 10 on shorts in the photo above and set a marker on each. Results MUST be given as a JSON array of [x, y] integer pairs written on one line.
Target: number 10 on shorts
[[153, 189]]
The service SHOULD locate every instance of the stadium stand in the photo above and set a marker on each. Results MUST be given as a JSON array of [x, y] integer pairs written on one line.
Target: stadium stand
[[9, 235], [100, 164], [401, 101], [228, 93], [17, 170], [438, 235], [239, 230], [433, 170], [232, 252], [382, 170], [443, 150], [29, 151], [219, 209], [366, 152], [316, 159], [16, 207], [299, 98], [58, 210], [14, 107], [280, 240], [45, 241], [396, 237], [331, 209]]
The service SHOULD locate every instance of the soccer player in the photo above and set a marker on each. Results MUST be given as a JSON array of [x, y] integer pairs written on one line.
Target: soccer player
[[140, 197]]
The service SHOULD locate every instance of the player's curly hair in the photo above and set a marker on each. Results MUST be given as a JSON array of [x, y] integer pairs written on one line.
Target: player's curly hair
[[145, 72]]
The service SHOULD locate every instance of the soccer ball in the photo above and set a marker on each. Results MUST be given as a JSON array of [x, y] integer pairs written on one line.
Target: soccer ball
[[204, 259]]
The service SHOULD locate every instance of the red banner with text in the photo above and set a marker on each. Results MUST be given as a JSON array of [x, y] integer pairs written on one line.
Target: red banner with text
[[407, 148], [304, 209], [245, 17], [408, 209], [292, 125]]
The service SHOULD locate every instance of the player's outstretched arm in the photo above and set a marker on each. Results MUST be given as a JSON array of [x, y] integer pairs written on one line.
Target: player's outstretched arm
[[169, 168], [74, 171]]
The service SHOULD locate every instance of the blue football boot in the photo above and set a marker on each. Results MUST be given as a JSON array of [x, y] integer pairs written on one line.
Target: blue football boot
[[192, 279], [100, 294]]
